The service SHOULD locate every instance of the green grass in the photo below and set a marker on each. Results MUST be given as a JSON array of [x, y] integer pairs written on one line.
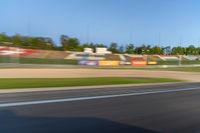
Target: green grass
[[168, 62], [190, 62], [178, 69], [22, 60], [68, 82], [181, 69], [177, 62], [37, 61], [4, 59]]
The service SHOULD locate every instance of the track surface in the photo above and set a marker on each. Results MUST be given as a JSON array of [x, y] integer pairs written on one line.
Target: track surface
[[165, 111]]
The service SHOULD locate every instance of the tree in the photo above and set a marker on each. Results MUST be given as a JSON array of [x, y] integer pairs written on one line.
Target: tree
[[70, 44], [121, 49], [138, 50], [73, 44], [143, 49], [130, 49], [167, 50], [113, 48], [191, 50], [4, 38], [100, 45], [64, 39], [17, 40], [157, 50], [178, 50]]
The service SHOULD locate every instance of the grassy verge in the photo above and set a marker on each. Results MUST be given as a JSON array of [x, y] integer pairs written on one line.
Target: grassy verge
[[181, 69], [67, 82], [37, 61], [177, 62]]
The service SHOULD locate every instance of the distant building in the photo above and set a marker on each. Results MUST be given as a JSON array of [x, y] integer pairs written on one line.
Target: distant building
[[102, 51], [88, 50]]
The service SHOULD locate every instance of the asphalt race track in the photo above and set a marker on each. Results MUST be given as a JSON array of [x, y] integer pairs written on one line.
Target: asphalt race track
[[150, 109]]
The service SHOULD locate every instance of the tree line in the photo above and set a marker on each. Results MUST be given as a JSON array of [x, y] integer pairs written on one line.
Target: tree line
[[73, 44]]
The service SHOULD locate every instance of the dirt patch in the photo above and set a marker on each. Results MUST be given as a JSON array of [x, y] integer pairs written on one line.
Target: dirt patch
[[73, 73]]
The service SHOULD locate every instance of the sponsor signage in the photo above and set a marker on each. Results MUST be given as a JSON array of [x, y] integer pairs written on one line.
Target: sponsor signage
[[88, 63], [139, 63], [109, 63], [152, 63]]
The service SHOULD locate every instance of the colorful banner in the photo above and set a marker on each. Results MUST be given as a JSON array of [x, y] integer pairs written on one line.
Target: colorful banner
[[88, 63], [109, 63], [152, 63], [139, 63]]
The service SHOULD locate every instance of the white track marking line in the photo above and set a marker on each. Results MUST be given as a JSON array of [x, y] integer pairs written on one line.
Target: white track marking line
[[3, 105]]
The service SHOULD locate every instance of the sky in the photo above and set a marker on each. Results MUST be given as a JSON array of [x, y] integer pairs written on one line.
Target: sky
[[164, 22]]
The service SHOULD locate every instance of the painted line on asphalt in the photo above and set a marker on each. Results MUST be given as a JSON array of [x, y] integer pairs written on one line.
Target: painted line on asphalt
[[3, 105]]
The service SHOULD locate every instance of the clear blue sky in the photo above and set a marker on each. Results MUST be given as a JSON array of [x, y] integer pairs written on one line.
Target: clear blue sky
[[105, 21]]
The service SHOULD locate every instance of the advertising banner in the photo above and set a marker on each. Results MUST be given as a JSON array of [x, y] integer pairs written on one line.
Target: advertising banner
[[139, 63], [152, 63], [88, 63], [109, 63]]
